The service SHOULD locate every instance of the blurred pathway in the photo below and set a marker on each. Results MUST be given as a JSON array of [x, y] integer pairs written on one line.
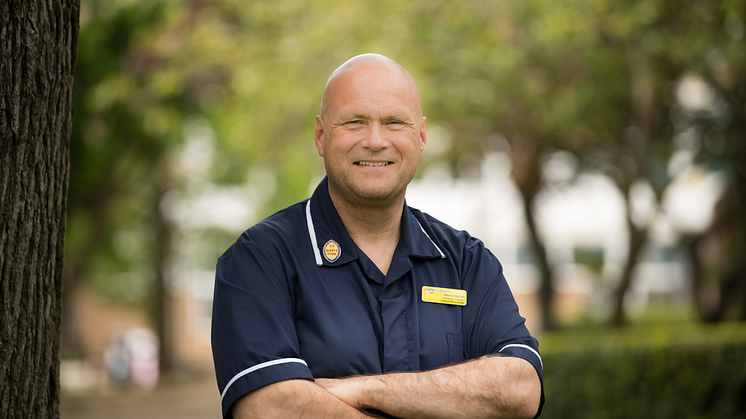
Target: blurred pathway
[[192, 397]]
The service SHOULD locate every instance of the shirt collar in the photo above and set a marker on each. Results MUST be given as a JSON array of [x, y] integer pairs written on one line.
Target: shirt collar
[[327, 228], [417, 241]]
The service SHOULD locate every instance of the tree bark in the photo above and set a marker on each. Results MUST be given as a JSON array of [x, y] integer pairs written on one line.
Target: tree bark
[[38, 42]]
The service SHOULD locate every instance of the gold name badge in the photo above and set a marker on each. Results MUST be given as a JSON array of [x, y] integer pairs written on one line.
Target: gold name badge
[[444, 296]]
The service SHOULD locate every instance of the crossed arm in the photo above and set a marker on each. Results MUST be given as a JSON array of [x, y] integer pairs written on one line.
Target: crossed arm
[[488, 387]]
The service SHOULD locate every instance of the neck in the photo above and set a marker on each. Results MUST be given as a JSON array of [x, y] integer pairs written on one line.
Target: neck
[[375, 229]]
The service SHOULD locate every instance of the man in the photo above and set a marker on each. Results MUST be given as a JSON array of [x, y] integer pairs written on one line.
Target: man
[[351, 302]]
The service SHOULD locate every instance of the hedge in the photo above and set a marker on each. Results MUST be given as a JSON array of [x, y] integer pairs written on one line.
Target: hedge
[[682, 371]]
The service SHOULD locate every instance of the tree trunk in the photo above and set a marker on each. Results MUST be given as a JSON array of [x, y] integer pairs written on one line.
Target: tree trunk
[[527, 176], [163, 304], [645, 119], [638, 238], [546, 287], [37, 59], [692, 245], [724, 265]]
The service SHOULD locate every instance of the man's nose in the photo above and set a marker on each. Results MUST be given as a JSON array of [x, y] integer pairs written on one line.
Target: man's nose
[[374, 137]]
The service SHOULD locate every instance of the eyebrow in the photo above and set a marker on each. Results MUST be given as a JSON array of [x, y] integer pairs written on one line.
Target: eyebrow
[[399, 116]]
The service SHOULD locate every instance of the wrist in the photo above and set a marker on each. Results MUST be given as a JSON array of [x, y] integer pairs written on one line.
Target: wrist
[[371, 391]]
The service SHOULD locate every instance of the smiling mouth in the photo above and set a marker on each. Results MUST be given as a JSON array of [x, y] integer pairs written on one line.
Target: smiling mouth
[[372, 163]]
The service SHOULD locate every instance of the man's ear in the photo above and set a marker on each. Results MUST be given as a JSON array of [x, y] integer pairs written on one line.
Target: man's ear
[[319, 135], [423, 136]]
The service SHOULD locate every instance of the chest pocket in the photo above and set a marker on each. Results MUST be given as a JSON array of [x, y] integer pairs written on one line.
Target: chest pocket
[[455, 347]]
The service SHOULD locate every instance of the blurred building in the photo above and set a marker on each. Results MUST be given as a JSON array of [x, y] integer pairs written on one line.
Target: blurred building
[[581, 218]]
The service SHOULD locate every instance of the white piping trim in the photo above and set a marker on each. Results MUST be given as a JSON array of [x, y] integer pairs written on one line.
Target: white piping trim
[[442, 256], [258, 367], [312, 234], [525, 347]]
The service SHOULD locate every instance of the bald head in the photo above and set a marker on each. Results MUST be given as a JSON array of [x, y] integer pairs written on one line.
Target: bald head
[[369, 62], [371, 132]]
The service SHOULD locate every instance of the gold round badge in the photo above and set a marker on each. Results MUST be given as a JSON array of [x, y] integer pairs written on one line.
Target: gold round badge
[[332, 251]]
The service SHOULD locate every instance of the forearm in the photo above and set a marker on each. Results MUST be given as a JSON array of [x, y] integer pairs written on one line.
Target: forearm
[[292, 399], [490, 387]]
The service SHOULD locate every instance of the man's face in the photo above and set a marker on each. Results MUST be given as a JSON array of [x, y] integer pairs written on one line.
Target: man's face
[[371, 135]]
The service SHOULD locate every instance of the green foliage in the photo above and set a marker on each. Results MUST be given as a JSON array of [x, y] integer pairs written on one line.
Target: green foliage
[[681, 371], [584, 76], [119, 131]]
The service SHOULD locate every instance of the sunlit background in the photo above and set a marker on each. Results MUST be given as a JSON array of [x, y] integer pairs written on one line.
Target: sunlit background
[[597, 147]]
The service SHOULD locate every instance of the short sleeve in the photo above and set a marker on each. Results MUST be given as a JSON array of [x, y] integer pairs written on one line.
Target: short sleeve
[[492, 321], [254, 341]]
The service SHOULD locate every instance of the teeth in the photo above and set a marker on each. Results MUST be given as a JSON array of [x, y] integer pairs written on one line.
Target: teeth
[[372, 163]]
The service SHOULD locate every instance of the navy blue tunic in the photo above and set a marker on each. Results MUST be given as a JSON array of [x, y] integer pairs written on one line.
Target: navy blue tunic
[[288, 306]]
